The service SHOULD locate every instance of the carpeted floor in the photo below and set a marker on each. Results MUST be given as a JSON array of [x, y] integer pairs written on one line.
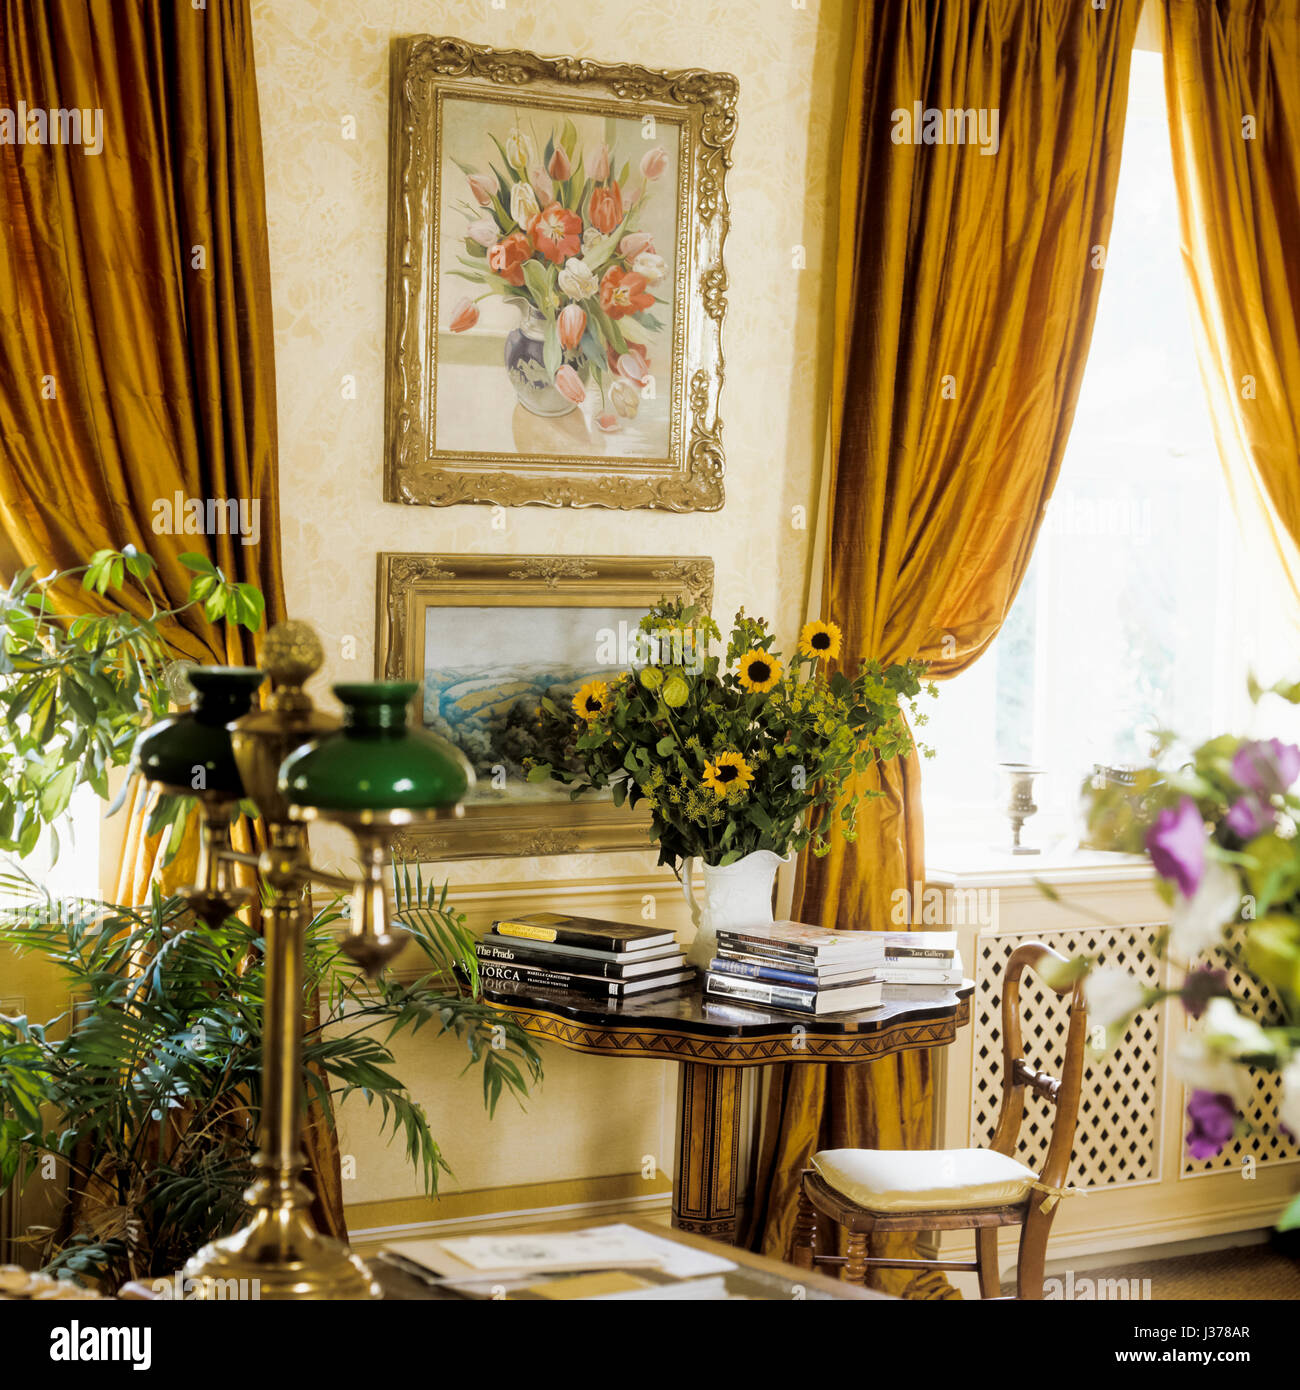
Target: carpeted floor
[[1247, 1272]]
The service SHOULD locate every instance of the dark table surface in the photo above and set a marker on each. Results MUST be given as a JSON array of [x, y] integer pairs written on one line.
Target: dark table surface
[[684, 1009]]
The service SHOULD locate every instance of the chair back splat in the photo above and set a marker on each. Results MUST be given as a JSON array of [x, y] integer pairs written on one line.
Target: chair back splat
[[1061, 1092]]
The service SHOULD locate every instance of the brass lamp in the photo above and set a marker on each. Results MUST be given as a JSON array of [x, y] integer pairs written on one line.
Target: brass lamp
[[297, 765]]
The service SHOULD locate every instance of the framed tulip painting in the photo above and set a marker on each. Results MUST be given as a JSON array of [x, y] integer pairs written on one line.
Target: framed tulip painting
[[556, 280], [489, 637]]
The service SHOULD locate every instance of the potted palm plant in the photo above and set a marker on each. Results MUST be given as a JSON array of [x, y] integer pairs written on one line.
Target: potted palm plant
[[145, 1096]]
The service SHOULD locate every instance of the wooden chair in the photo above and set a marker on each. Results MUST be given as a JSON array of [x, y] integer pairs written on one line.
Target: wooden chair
[[888, 1190]]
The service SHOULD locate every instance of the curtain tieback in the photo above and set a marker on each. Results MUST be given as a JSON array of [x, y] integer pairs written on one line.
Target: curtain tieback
[[1054, 1194]]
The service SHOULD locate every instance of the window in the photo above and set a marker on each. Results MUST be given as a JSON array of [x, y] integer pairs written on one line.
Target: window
[[75, 873], [1140, 610]]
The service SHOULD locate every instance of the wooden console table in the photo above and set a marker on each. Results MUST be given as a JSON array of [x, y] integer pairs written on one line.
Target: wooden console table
[[713, 1041]]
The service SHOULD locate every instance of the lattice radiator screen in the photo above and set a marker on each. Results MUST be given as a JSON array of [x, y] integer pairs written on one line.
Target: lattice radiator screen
[[1266, 1145], [1118, 1138]]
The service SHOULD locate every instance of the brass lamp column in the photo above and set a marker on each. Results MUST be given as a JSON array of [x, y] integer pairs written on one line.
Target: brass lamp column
[[297, 765]]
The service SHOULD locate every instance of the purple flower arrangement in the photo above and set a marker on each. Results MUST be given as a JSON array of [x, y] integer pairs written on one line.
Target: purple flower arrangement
[[1221, 832]]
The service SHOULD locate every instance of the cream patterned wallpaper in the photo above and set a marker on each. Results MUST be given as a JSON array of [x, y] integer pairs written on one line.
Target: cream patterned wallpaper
[[322, 75]]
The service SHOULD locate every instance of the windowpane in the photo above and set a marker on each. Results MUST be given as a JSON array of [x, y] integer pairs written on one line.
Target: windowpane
[[1129, 619]]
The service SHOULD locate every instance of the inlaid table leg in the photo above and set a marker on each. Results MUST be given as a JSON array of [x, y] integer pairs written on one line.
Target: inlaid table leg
[[705, 1176]]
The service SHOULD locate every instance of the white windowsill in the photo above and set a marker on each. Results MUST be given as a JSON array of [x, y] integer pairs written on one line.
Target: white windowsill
[[973, 864]]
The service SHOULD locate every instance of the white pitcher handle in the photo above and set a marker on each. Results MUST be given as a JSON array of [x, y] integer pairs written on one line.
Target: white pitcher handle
[[688, 872]]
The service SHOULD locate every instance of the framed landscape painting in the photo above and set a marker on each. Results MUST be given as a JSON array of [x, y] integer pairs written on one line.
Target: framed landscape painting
[[488, 637], [556, 280]]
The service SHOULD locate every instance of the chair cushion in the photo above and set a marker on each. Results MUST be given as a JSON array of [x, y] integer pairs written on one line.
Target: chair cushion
[[890, 1180]]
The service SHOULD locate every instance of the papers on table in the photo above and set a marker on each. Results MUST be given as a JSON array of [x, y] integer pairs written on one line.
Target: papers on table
[[480, 1260]]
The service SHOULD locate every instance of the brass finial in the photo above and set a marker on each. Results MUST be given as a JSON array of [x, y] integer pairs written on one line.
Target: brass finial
[[292, 653]]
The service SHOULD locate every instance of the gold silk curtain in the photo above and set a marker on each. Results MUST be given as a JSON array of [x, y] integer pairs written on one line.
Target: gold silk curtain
[[966, 289], [1232, 87], [136, 344]]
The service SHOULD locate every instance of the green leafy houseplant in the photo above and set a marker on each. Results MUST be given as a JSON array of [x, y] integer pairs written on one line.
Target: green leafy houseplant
[[146, 1095], [737, 753], [76, 690]]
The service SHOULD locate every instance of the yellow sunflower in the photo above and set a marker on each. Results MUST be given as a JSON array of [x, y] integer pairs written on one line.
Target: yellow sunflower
[[728, 772], [591, 700], [820, 639], [758, 671]]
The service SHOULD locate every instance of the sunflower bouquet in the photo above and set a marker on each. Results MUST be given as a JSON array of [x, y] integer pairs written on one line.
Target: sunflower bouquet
[[734, 753]]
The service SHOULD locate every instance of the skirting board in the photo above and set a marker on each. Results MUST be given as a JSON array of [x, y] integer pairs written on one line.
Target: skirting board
[[646, 1205], [1126, 1239], [533, 1204]]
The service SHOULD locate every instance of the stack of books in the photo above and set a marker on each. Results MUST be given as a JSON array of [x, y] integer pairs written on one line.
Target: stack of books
[[797, 969], [581, 955], [919, 960]]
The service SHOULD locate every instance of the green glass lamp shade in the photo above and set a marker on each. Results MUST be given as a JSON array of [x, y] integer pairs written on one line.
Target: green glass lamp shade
[[191, 752], [376, 763]]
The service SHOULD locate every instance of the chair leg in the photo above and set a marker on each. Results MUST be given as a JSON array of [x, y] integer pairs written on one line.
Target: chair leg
[[854, 1269], [1033, 1254], [986, 1247], [805, 1233]]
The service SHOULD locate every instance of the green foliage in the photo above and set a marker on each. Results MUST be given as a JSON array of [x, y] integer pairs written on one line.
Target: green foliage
[[660, 732], [76, 690], [146, 1095]]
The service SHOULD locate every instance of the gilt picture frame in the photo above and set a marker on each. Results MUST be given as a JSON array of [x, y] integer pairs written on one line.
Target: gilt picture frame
[[556, 282], [487, 636]]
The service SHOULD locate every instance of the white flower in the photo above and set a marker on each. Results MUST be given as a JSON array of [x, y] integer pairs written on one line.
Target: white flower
[[484, 231], [1233, 1034], [523, 204], [1196, 923], [1112, 995], [650, 266], [1288, 1110], [627, 401], [577, 279], [591, 236], [1201, 1068], [519, 150]]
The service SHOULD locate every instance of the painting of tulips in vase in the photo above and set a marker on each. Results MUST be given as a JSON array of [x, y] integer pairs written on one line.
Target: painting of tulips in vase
[[556, 281]]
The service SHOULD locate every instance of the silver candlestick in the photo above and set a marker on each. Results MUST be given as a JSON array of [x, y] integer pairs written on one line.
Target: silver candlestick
[[1020, 801]]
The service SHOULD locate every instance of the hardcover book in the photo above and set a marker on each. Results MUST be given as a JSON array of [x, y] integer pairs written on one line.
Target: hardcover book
[[592, 932], [847, 999], [517, 978], [559, 951], [921, 973], [549, 957], [822, 972], [787, 975], [920, 947], [816, 943]]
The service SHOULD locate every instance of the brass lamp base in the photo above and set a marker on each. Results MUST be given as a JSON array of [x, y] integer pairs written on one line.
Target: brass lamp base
[[279, 1256]]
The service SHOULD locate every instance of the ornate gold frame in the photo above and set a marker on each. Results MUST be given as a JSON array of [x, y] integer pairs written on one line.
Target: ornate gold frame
[[703, 105], [411, 583]]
